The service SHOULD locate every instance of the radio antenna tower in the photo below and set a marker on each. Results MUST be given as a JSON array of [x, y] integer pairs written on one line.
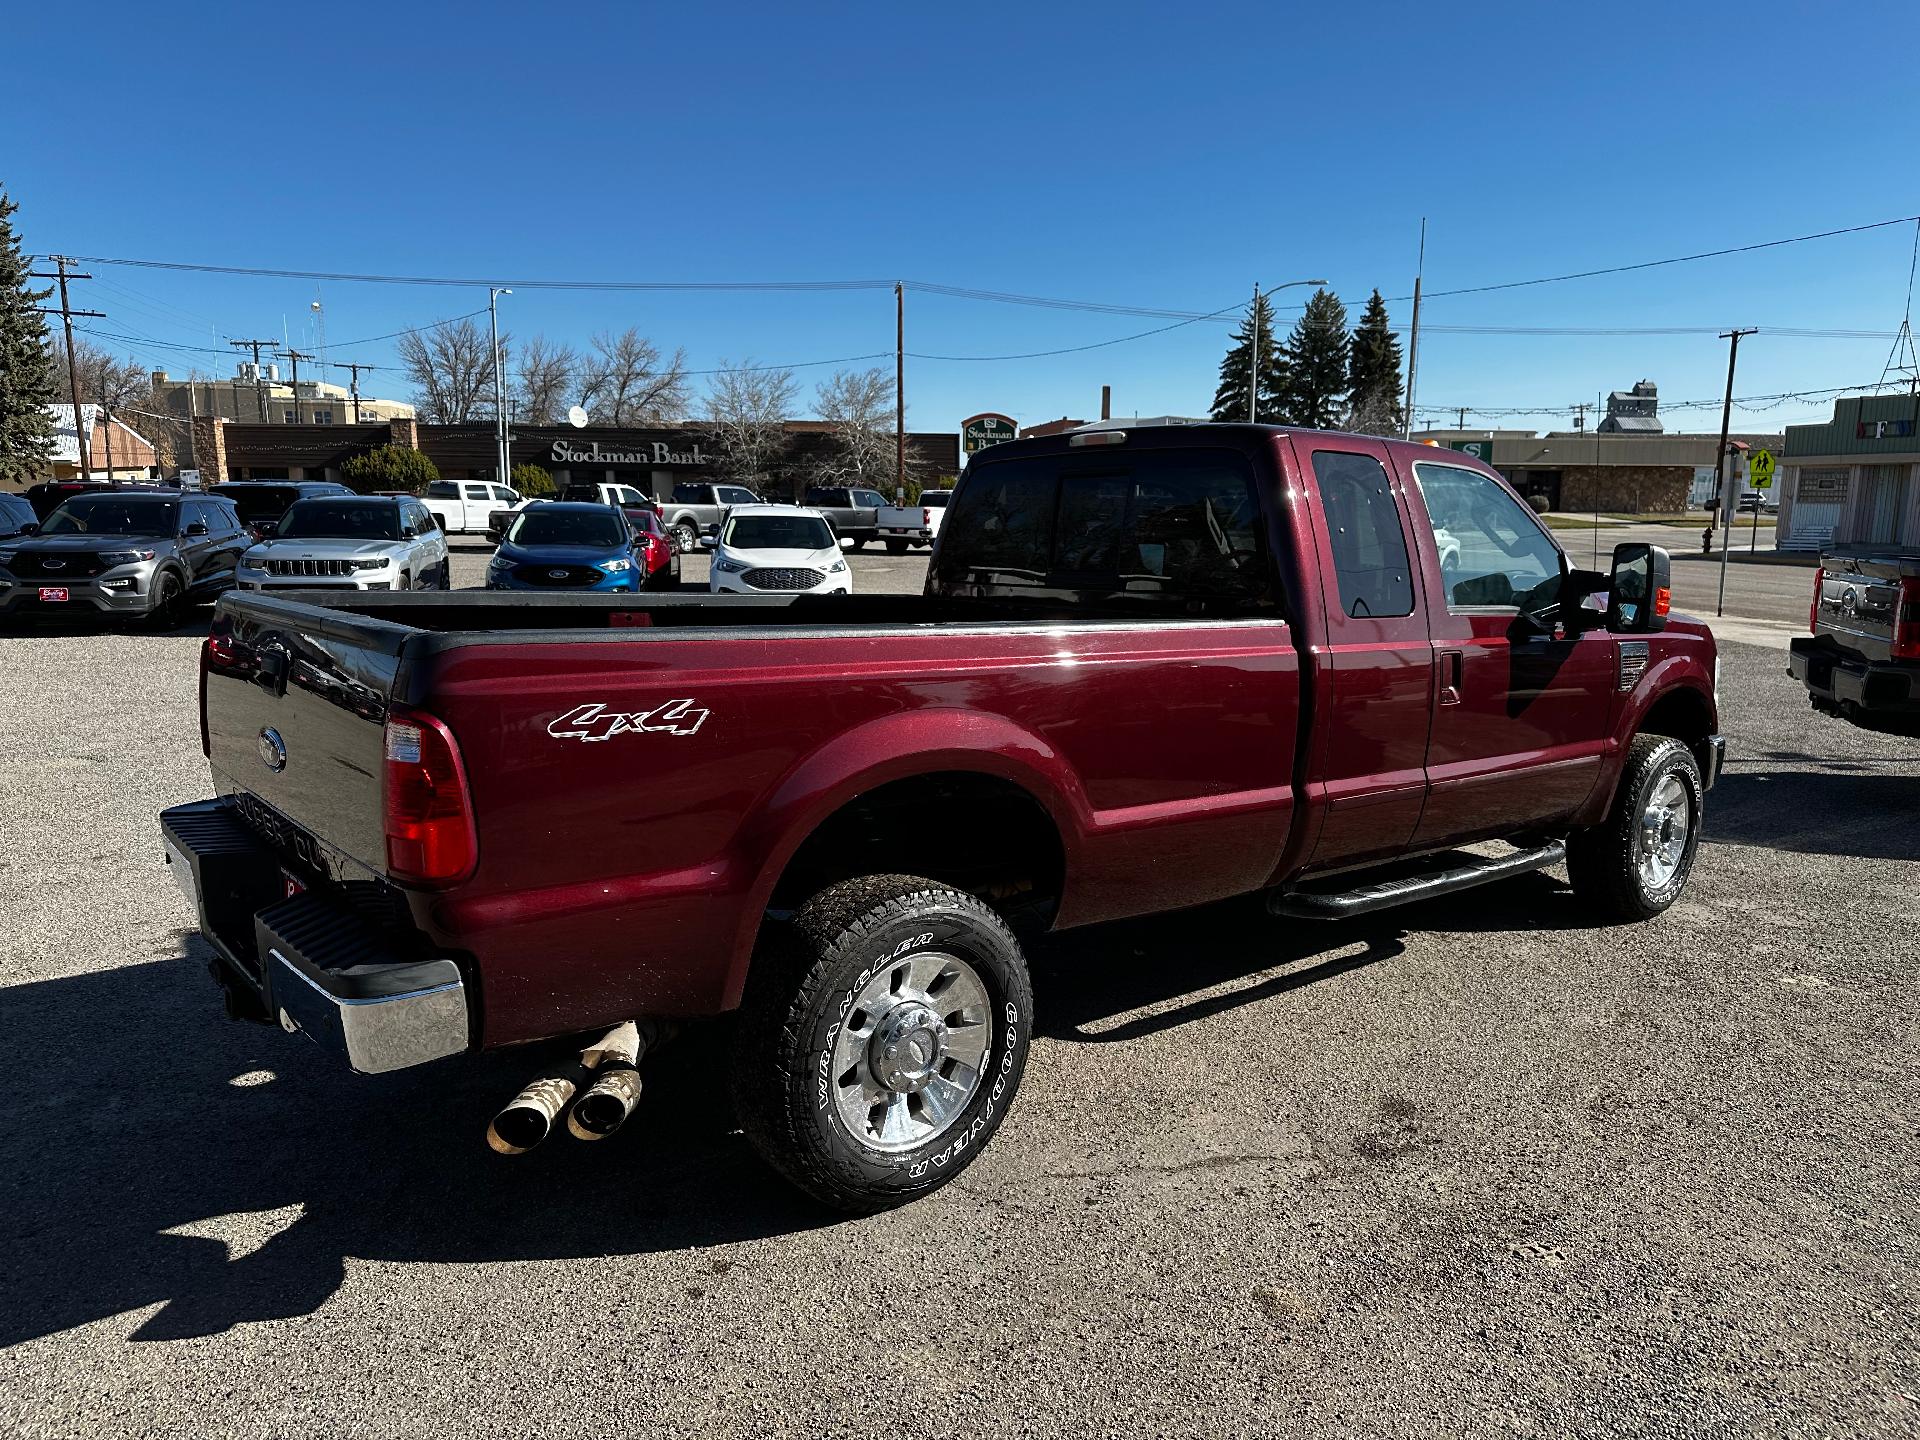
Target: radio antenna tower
[[320, 333], [1903, 362]]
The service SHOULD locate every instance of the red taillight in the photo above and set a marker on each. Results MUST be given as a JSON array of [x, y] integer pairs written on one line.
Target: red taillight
[[1813, 610], [430, 836], [1906, 622], [926, 517]]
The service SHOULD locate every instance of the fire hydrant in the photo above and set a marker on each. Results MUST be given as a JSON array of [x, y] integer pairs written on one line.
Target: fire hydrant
[[1706, 540]]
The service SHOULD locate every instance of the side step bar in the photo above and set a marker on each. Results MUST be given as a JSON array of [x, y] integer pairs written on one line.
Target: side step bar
[[1339, 904]]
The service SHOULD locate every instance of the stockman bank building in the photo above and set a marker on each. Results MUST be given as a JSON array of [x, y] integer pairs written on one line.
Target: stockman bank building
[[652, 461]]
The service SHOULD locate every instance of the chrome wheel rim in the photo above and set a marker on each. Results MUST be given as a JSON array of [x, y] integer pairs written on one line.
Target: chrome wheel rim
[[911, 1053], [1666, 825]]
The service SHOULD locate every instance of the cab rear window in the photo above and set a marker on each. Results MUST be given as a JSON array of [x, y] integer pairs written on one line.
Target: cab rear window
[[1175, 530]]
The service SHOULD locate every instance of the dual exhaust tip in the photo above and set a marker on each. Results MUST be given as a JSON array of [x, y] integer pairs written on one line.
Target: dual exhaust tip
[[606, 1080]]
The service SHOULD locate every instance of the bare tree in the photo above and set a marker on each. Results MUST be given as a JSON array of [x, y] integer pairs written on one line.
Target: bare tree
[[623, 381], [451, 370], [103, 379], [747, 409], [545, 380], [860, 450]]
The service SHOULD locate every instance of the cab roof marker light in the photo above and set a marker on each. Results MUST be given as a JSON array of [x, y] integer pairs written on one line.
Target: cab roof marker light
[[1098, 437]]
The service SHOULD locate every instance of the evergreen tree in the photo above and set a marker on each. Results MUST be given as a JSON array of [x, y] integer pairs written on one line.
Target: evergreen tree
[[1316, 354], [1373, 374], [1230, 400], [26, 367]]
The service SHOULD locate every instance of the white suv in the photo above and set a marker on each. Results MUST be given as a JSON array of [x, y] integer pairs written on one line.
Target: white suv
[[776, 549], [351, 542]]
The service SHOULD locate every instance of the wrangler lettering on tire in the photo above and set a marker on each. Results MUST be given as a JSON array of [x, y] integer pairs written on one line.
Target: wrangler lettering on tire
[[883, 1033]]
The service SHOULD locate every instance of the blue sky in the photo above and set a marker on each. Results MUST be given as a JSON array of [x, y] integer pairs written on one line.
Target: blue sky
[[1164, 157]]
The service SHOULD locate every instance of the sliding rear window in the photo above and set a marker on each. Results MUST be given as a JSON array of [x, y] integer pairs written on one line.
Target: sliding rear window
[[1171, 530]]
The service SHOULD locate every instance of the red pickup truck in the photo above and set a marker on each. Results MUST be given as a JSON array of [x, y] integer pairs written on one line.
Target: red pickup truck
[[1152, 668]]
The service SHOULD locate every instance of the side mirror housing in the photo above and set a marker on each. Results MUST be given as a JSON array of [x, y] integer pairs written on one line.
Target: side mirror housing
[[196, 528], [32, 527], [1640, 592], [710, 541], [407, 532]]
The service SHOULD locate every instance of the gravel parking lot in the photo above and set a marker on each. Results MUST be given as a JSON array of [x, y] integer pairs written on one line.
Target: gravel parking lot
[[1473, 1168]]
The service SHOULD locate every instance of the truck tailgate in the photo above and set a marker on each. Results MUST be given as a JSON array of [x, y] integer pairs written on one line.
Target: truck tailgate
[[1861, 598], [296, 705]]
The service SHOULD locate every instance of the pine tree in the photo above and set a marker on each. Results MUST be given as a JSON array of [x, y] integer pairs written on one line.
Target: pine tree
[[1230, 400], [26, 367], [1316, 354], [1373, 374]]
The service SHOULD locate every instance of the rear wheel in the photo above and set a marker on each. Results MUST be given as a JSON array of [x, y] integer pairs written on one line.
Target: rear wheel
[[883, 1034], [683, 537], [1636, 862]]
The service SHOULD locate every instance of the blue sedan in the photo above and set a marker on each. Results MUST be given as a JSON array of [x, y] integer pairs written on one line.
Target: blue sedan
[[568, 546]]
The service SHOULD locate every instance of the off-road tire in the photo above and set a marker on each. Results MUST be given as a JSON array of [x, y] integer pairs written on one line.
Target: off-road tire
[[1603, 862], [800, 992]]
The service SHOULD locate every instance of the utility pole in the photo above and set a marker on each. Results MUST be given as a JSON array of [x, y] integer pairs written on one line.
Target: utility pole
[[503, 467], [1413, 337], [1463, 417], [67, 312], [354, 385], [1720, 464], [259, 375], [296, 356], [1253, 374], [900, 394]]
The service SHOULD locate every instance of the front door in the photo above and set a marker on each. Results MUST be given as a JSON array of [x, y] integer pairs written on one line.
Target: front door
[[1372, 742], [1522, 715]]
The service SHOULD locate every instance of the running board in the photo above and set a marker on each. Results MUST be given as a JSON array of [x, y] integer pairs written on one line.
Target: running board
[[1339, 904]]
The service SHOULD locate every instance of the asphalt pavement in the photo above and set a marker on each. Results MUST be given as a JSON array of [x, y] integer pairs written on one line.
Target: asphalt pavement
[[1473, 1168]]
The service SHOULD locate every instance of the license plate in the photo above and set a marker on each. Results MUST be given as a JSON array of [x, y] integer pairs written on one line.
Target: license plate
[[53, 594], [293, 883]]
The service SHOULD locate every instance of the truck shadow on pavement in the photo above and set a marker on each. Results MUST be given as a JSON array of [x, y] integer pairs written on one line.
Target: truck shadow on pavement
[[1847, 808], [160, 1155]]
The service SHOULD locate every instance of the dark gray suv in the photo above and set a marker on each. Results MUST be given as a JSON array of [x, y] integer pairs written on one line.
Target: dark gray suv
[[142, 554]]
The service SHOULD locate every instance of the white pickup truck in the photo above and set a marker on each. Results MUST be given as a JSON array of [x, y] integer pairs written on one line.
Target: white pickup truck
[[903, 525], [463, 506]]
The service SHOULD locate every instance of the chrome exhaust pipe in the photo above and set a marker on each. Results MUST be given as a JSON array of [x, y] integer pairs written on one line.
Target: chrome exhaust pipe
[[529, 1116], [610, 1100]]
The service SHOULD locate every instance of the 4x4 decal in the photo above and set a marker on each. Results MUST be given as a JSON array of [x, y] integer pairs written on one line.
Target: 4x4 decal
[[597, 722]]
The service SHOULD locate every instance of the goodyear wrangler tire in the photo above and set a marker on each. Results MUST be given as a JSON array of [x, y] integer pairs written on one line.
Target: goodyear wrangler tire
[[883, 1034], [1635, 863]]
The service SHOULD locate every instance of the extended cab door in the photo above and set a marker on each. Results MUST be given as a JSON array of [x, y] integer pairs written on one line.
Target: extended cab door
[[1370, 742], [1522, 711]]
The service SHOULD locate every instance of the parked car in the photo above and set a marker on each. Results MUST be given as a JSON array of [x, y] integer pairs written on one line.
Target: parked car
[[16, 516], [141, 554], [935, 502], [903, 526], [464, 507], [568, 545], [696, 508], [657, 550], [634, 502], [47, 496], [353, 542], [1117, 696], [261, 503], [789, 549], [1862, 659], [853, 513], [1758, 502]]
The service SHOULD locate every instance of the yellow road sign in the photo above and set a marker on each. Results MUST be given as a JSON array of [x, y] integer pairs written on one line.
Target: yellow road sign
[[1760, 469]]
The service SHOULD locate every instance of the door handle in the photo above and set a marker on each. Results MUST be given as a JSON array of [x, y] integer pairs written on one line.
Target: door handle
[[1452, 671]]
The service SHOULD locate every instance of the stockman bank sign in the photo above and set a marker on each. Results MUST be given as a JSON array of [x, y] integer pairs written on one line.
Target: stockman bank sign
[[983, 431], [659, 452]]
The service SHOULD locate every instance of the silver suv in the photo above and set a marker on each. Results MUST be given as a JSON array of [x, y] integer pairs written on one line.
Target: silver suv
[[351, 542], [139, 553]]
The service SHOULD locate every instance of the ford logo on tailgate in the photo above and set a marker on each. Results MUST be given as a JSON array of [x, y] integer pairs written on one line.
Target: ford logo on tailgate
[[273, 750]]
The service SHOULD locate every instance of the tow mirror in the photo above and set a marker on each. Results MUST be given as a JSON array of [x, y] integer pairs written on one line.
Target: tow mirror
[[1641, 591]]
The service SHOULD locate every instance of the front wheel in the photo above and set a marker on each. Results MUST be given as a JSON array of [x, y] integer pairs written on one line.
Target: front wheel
[[1635, 863], [169, 602], [683, 538], [883, 1034]]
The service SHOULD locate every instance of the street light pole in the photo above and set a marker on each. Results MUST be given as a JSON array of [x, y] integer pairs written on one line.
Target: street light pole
[[1253, 339], [502, 473], [1720, 466]]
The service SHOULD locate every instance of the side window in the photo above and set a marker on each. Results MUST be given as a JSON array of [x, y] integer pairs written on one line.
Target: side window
[[477, 492], [224, 519], [1492, 550], [872, 498], [687, 494], [443, 490], [734, 495], [1363, 523]]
